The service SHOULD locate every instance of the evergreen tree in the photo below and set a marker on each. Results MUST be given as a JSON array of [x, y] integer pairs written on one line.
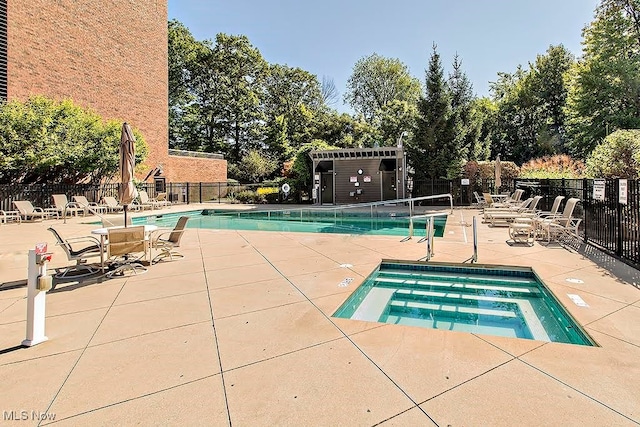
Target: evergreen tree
[[466, 129], [432, 148]]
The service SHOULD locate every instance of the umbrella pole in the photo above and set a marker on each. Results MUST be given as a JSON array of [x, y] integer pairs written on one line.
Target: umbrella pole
[[125, 207]]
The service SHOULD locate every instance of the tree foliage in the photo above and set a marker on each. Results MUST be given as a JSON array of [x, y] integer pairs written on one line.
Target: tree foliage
[[377, 81], [604, 88], [432, 150], [531, 105], [618, 156], [47, 141]]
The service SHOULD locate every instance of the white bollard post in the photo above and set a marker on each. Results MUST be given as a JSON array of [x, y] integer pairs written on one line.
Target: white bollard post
[[38, 282]]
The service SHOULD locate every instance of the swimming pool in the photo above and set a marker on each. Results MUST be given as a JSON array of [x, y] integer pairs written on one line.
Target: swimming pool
[[494, 300], [305, 221]]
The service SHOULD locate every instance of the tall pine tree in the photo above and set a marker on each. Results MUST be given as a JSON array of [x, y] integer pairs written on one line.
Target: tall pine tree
[[432, 150]]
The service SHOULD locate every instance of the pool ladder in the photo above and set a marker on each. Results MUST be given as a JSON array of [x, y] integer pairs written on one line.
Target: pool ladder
[[429, 239]]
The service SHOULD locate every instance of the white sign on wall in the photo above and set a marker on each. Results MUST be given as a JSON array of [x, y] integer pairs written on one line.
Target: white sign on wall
[[464, 181], [598, 189], [622, 191]]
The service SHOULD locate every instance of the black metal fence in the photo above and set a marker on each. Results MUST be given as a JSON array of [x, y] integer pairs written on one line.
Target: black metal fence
[[608, 224]]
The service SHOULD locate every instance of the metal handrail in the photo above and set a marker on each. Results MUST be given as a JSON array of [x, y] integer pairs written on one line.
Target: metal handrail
[[410, 201]]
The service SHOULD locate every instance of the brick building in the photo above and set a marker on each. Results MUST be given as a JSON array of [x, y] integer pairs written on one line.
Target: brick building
[[110, 56]]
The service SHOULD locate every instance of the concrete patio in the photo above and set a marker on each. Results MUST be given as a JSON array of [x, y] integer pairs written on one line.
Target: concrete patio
[[240, 333]]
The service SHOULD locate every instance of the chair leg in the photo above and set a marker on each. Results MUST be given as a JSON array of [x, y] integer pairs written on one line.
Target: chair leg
[[133, 266]]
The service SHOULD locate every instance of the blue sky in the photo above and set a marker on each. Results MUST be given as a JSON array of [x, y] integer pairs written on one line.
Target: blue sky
[[327, 37]]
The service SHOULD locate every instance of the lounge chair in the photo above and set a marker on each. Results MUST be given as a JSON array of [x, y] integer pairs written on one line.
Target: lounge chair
[[553, 226], [520, 207], [167, 240], [88, 206], [154, 203], [161, 200], [506, 216], [112, 204], [90, 248], [522, 230], [29, 212], [6, 216], [64, 206], [125, 248], [480, 202]]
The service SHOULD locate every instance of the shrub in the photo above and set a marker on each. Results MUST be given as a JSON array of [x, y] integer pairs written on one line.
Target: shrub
[[43, 140], [618, 156], [249, 196], [509, 170], [553, 167]]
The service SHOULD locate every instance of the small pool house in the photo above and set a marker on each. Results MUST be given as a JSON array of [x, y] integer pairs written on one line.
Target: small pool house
[[358, 175]]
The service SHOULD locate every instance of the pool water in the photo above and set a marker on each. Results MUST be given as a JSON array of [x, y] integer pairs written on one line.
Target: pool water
[[494, 300], [390, 224]]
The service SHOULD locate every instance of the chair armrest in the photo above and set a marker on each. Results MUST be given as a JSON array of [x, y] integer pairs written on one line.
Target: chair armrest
[[90, 239]]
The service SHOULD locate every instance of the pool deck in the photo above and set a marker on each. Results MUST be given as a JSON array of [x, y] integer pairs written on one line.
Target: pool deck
[[240, 333]]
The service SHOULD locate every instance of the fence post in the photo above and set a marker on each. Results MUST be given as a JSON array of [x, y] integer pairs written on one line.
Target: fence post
[[586, 202], [219, 194], [200, 192], [187, 193], [618, 218]]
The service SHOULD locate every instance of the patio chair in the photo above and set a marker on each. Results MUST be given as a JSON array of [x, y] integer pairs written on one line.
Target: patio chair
[[90, 248], [520, 207], [145, 201], [88, 206], [167, 240], [507, 216], [479, 200], [6, 216], [29, 212], [125, 248], [522, 230], [159, 201], [556, 225], [112, 204], [64, 206]]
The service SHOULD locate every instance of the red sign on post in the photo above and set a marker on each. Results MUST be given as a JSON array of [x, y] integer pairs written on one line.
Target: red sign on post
[[41, 248]]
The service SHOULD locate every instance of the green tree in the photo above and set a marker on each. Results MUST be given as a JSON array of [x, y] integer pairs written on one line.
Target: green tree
[[465, 125], [430, 150], [531, 107], [295, 95], [253, 167], [228, 89], [394, 121], [183, 53], [618, 156], [376, 81], [301, 174], [604, 86], [47, 141]]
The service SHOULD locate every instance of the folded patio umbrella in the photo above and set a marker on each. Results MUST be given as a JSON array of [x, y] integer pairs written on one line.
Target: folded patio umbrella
[[128, 191], [498, 173]]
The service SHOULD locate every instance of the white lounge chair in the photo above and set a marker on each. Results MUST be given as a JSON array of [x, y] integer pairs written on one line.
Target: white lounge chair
[[64, 206], [29, 212], [88, 206]]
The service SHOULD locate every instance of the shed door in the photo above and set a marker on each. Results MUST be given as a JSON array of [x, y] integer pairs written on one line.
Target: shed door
[[326, 188], [389, 185]]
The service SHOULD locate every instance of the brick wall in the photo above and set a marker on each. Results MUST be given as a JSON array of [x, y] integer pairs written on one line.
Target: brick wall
[[110, 56]]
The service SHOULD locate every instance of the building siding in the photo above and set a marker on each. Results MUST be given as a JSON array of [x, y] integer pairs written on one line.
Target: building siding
[[110, 56]]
